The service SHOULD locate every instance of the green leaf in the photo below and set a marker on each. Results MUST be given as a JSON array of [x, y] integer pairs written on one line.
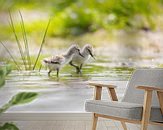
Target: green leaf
[[1, 72], [20, 98], [2, 77], [9, 126], [5, 107], [23, 97], [2, 82], [4, 70], [8, 69]]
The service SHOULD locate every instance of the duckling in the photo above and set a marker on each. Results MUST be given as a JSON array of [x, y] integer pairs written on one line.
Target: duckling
[[86, 52], [57, 62]]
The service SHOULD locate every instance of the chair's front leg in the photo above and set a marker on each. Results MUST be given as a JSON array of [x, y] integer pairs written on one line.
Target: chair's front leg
[[94, 123], [160, 98], [146, 109], [97, 96]]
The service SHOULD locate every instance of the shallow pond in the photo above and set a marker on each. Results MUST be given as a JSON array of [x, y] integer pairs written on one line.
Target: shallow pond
[[69, 92]]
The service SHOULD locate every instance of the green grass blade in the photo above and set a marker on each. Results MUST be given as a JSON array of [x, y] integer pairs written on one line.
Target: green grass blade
[[40, 67], [11, 55], [42, 43], [17, 41], [25, 40]]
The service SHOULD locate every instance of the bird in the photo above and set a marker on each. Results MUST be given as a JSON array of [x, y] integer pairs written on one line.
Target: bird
[[78, 61], [55, 63]]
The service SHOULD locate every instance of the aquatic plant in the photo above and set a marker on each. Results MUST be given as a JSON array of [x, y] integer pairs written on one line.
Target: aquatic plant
[[19, 99], [25, 41], [24, 52], [42, 43], [8, 51], [17, 41]]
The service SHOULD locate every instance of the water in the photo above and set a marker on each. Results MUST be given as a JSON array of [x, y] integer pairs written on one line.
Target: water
[[69, 92]]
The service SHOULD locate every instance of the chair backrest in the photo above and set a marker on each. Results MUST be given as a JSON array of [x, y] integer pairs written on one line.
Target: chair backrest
[[146, 77]]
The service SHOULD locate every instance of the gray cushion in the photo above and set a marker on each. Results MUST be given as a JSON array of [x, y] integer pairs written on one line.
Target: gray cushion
[[125, 110]]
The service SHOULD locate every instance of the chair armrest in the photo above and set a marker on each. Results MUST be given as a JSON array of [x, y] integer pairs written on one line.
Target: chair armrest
[[98, 90], [101, 85], [150, 88]]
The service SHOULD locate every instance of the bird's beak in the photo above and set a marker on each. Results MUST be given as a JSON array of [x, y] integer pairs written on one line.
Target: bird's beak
[[81, 54], [91, 54]]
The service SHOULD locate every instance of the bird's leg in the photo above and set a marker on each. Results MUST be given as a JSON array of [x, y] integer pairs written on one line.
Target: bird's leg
[[49, 72], [80, 68], [77, 68], [57, 73], [73, 64]]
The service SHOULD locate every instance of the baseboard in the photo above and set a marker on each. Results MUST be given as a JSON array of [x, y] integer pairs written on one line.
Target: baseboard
[[44, 116]]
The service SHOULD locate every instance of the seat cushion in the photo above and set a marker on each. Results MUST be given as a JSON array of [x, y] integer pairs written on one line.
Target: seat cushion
[[125, 110]]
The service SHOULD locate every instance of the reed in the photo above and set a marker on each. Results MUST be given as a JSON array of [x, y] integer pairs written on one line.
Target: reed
[[40, 68], [17, 41], [25, 41], [42, 43], [25, 55], [8, 51]]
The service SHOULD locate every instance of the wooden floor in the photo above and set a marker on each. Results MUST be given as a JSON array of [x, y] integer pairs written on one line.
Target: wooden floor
[[68, 125]]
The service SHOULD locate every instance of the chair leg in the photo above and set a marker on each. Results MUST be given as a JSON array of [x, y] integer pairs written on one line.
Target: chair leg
[[144, 126], [94, 123], [124, 125], [146, 109]]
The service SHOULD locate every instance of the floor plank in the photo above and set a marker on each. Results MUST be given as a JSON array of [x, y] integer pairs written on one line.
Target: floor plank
[[67, 125]]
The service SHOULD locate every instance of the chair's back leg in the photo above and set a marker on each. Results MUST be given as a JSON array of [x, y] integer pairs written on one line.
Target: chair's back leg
[[146, 109], [114, 97], [94, 123]]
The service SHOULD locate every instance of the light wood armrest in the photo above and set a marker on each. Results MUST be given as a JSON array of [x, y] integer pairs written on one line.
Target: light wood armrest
[[150, 88], [98, 90], [101, 85]]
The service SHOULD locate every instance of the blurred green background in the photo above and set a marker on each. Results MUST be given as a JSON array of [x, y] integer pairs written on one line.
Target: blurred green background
[[77, 17]]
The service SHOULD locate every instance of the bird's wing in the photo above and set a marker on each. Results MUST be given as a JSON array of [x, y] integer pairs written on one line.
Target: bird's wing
[[57, 60], [46, 60], [50, 60]]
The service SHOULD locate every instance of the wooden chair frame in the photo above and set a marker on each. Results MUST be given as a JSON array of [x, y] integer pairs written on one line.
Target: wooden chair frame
[[146, 106]]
